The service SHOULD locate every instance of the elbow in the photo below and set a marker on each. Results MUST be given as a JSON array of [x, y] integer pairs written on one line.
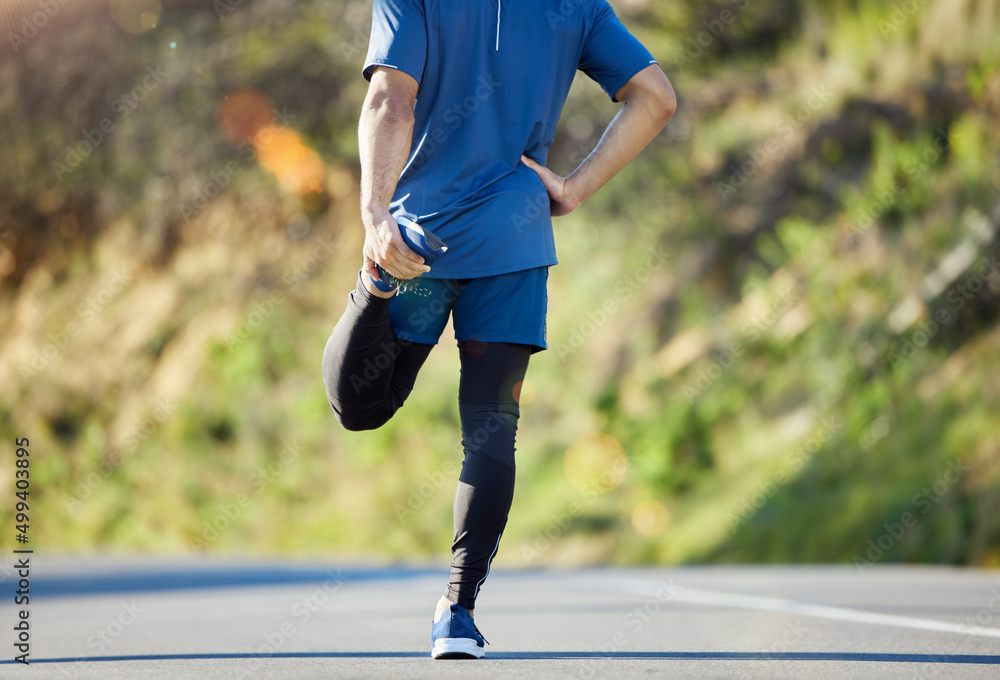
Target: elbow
[[658, 101], [659, 108], [666, 104]]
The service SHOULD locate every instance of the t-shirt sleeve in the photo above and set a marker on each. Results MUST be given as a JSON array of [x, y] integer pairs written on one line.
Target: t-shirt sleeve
[[399, 37], [611, 55]]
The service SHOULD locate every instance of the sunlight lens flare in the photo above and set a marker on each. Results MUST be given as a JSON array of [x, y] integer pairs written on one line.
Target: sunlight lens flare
[[524, 392], [242, 114], [282, 152], [136, 16], [247, 117], [650, 518], [595, 463]]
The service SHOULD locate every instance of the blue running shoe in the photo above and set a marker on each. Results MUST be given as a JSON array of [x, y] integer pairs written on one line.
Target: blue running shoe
[[455, 636], [422, 242]]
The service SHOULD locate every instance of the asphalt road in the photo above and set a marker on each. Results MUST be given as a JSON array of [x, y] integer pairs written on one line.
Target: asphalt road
[[112, 618]]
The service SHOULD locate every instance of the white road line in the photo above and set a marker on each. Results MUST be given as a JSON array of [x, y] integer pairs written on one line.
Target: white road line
[[717, 598]]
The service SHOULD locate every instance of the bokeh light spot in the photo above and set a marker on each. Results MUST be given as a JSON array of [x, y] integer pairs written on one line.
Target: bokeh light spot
[[476, 347], [595, 463], [282, 152], [242, 114], [340, 182], [650, 518], [524, 392], [136, 16]]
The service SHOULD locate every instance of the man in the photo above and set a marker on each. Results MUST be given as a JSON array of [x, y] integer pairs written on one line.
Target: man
[[461, 110]]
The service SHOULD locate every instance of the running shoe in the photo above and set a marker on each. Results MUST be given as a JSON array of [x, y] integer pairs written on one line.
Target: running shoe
[[421, 241], [455, 636]]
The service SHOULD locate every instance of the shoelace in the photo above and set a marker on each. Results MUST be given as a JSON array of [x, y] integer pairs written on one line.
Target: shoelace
[[404, 286], [479, 633]]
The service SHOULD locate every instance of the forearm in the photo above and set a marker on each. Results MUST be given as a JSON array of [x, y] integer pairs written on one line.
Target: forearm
[[632, 129], [384, 137]]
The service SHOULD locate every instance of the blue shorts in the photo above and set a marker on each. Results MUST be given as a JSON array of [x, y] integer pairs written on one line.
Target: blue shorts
[[505, 308]]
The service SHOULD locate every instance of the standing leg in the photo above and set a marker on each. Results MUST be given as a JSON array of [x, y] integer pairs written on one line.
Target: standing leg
[[489, 413], [368, 372]]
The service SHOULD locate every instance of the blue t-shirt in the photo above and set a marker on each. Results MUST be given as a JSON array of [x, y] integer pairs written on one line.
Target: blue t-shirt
[[493, 75]]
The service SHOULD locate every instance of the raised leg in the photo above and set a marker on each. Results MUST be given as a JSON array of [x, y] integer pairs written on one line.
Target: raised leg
[[368, 372]]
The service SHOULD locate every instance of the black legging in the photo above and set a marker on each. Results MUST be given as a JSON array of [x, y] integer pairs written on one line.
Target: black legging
[[368, 374]]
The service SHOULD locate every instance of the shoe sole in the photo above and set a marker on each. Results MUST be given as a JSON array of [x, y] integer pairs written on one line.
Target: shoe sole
[[425, 243], [457, 648]]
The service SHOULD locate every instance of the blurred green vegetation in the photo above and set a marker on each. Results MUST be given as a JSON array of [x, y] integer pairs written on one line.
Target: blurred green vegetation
[[785, 311]]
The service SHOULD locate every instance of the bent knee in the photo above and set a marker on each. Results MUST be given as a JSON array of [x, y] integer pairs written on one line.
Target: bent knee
[[355, 421]]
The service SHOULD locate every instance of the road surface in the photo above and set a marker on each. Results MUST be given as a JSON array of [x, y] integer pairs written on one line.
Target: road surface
[[111, 618]]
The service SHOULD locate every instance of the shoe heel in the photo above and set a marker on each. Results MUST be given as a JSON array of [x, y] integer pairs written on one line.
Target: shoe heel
[[385, 281]]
